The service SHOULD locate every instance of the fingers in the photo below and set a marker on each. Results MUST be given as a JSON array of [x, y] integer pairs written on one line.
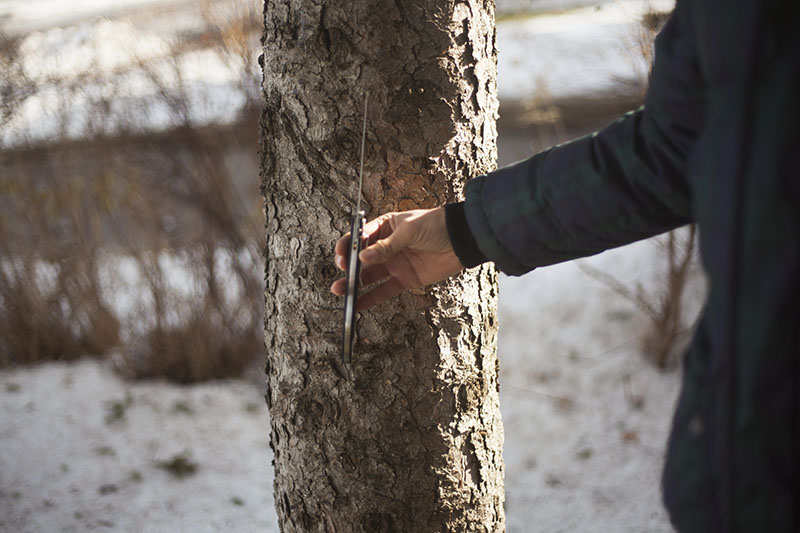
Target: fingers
[[381, 227], [374, 230], [379, 294], [339, 287], [384, 237], [340, 262], [341, 249], [373, 274], [386, 247], [369, 275]]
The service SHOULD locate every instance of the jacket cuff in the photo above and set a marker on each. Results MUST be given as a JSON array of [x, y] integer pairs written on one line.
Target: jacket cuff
[[461, 238]]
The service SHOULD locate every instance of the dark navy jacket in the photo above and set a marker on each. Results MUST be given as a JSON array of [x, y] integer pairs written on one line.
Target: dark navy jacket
[[718, 143]]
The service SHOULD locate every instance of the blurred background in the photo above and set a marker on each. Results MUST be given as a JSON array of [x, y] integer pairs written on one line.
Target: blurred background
[[130, 218], [131, 235]]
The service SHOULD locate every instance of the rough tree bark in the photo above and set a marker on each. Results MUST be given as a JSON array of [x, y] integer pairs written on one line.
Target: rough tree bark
[[408, 437]]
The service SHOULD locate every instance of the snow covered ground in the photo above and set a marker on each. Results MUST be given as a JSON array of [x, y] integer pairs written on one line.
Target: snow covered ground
[[83, 450], [586, 420]]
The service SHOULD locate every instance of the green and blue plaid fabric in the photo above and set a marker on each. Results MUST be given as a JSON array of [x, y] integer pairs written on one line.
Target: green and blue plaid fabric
[[717, 142]]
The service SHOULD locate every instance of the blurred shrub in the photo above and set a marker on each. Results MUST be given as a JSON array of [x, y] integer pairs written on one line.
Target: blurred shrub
[[51, 302], [670, 321], [124, 235]]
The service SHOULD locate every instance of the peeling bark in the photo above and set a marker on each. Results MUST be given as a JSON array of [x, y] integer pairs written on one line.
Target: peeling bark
[[408, 437]]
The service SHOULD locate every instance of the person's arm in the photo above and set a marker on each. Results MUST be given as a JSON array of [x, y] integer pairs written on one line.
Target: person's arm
[[624, 183]]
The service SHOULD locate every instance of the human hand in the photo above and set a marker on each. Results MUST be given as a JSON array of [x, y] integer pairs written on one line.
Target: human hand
[[406, 250]]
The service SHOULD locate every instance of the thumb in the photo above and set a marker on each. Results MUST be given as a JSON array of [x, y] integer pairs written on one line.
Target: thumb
[[384, 249]]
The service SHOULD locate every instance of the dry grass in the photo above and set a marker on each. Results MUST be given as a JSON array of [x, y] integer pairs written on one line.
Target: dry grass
[[663, 305], [127, 240]]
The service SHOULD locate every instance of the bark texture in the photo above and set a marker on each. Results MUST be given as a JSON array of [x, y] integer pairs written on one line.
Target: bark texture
[[408, 437]]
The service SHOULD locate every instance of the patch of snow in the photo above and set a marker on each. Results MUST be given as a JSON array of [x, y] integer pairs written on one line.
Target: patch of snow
[[22, 16], [103, 76], [72, 462], [577, 53], [538, 6], [91, 48]]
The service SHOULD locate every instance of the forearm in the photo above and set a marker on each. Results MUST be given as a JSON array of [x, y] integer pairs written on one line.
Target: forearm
[[580, 198]]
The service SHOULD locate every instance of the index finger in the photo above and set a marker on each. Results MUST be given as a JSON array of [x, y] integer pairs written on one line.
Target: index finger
[[379, 228], [374, 230], [342, 244]]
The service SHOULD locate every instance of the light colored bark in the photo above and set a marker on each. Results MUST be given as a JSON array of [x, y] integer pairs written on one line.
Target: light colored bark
[[408, 437]]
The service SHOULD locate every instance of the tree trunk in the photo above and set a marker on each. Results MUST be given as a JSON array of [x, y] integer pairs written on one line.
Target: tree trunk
[[408, 436]]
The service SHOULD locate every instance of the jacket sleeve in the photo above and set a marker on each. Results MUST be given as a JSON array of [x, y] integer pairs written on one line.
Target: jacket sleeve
[[624, 183]]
